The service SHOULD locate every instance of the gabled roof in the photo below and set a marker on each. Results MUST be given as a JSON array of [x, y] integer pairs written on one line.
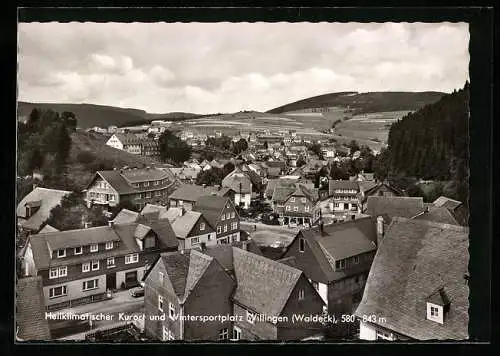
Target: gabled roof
[[414, 259], [437, 214], [141, 231], [30, 310], [390, 207], [211, 207], [121, 180], [125, 216], [263, 285], [238, 181], [116, 180], [341, 184], [283, 191], [371, 187], [339, 241], [185, 173], [46, 199], [143, 174], [127, 138], [447, 203], [48, 228], [185, 270], [80, 237], [184, 224]]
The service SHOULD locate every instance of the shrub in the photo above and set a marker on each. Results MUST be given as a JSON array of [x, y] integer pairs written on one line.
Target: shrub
[[85, 157]]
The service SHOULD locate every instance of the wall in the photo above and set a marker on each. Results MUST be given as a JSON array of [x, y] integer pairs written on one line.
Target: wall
[[112, 196], [29, 262], [312, 304], [340, 293], [120, 275], [243, 198], [114, 142], [228, 222], [74, 290], [367, 331], [257, 331], [211, 296]]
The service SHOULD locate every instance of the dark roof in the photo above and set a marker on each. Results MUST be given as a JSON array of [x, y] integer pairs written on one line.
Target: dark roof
[[238, 181], [447, 202], [143, 174], [80, 237], [263, 285], [390, 207], [121, 180], [414, 259], [184, 224], [191, 192], [370, 187], [30, 310], [128, 138], [211, 207], [339, 241], [125, 216], [341, 184], [116, 180]]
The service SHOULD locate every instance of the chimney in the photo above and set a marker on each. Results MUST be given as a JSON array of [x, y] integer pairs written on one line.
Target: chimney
[[87, 224], [111, 223], [35, 186], [380, 229]]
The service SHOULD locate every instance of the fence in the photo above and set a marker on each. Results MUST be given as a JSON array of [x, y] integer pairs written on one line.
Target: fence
[[110, 331], [79, 301]]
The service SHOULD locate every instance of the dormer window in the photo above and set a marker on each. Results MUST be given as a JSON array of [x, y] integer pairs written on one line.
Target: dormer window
[[340, 264], [78, 250], [94, 248], [292, 199], [109, 245], [202, 226], [61, 253], [438, 304]]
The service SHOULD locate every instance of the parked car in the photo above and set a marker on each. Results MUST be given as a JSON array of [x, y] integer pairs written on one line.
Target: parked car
[[137, 292]]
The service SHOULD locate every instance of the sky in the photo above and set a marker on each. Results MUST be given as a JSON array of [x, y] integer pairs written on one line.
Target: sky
[[228, 67]]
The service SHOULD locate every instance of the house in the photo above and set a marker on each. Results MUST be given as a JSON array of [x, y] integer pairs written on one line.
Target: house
[[372, 188], [455, 207], [79, 266], [187, 194], [34, 209], [31, 323], [390, 207], [296, 203], [437, 214], [241, 184], [345, 200], [363, 177], [127, 142], [185, 174], [328, 152], [138, 186], [420, 272], [150, 148], [112, 129], [192, 229], [286, 181], [337, 259], [221, 215], [257, 296]]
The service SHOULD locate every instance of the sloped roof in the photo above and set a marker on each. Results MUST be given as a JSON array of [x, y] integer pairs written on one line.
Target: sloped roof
[[47, 199], [143, 174], [141, 231], [74, 238], [191, 192], [341, 184], [415, 259], [183, 225], [263, 285], [238, 181], [185, 172], [185, 270], [116, 180], [282, 191], [125, 216], [211, 207], [366, 186], [30, 310], [128, 138], [153, 208], [390, 207], [48, 228], [437, 214], [171, 214], [447, 202]]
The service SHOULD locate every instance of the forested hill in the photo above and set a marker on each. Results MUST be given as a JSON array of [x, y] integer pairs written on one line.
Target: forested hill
[[432, 143]]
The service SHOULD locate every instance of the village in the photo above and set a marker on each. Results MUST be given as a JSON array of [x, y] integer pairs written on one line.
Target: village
[[267, 241]]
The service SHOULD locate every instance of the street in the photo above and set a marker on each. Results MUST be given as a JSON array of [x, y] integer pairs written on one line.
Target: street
[[122, 302]]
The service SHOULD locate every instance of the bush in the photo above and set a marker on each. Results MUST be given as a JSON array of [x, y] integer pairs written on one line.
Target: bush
[[85, 157]]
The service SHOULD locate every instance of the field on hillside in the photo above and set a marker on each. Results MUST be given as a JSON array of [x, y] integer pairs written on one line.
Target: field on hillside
[[94, 143]]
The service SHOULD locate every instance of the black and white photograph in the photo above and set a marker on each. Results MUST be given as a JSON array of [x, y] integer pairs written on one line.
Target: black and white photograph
[[242, 182]]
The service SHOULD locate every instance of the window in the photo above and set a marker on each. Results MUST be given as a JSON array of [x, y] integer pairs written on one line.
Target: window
[[86, 267], [171, 311], [78, 250], [92, 284], [306, 208], [236, 333], [219, 229], [160, 276], [224, 334], [94, 248], [225, 227], [233, 214], [146, 184], [61, 253], [202, 226], [434, 311], [340, 264], [295, 208], [148, 194], [292, 199], [302, 245], [301, 294], [156, 182], [149, 242], [303, 200], [109, 245], [234, 226], [157, 193], [288, 208], [195, 240], [167, 334], [160, 303], [223, 217], [58, 292], [133, 258], [95, 265], [110, 262], [111, 197], [180, 203], [53, 273], [250, 317], [355, 260]]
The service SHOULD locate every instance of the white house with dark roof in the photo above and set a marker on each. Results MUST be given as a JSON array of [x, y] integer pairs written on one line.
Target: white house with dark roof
[[241, 184], [417, 288], [138, 186], [345, 200], [186, 195], [81, 265], [34, 209], [389, 207]]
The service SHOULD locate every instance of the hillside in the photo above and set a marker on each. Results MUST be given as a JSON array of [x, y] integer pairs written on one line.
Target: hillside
[[361, 103], [90, 115], [432, 143]]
